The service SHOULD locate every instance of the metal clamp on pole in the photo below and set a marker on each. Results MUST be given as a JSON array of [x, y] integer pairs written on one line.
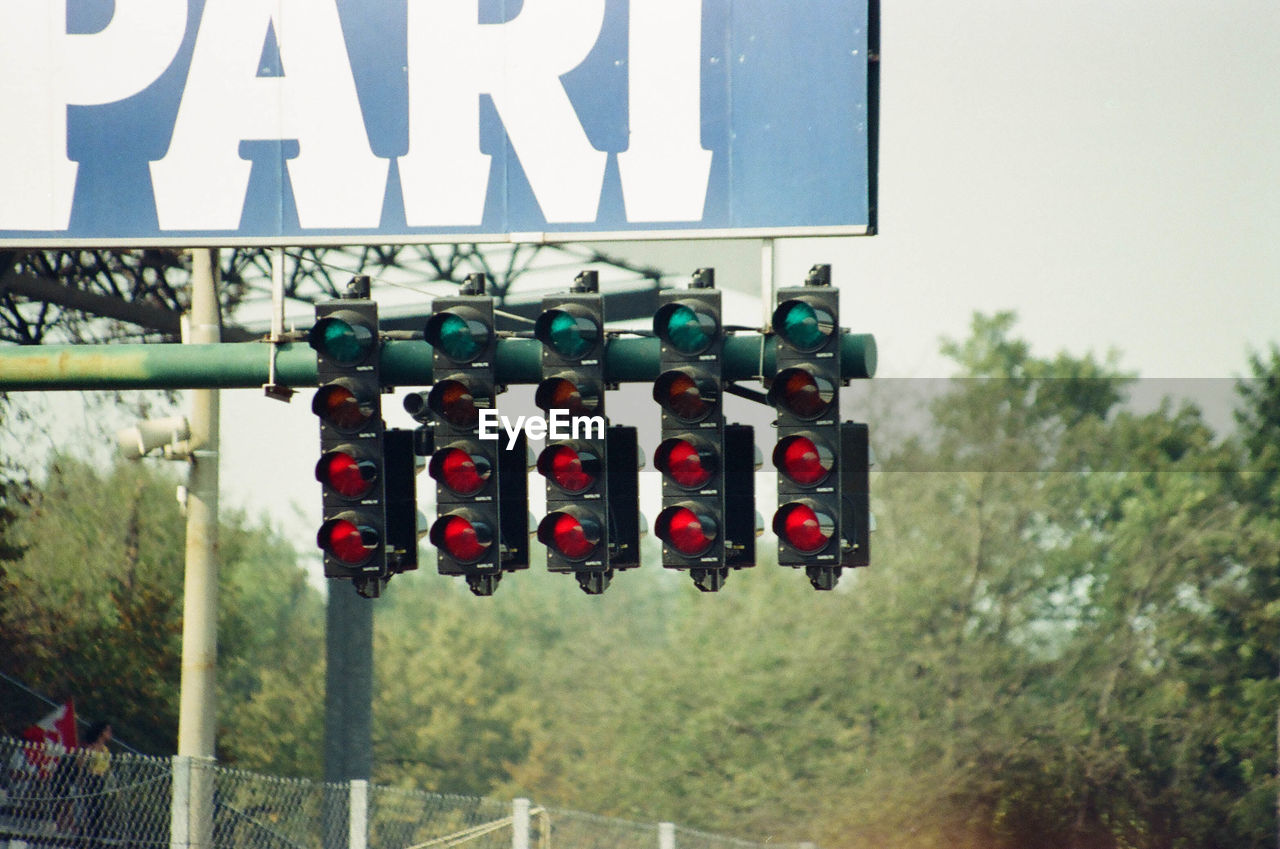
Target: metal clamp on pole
[[272, 389]]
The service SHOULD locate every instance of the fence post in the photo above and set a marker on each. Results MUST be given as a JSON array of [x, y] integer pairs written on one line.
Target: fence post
[[180, 803], [358, 815], [519, 824], [666, 835]]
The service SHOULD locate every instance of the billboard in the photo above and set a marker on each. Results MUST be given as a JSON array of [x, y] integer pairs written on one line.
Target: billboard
[[269, 122]]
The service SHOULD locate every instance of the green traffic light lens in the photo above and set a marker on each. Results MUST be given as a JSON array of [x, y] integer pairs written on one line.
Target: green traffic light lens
[[342, 341], [459, 338], [456, 339], [684, 328], [803, 325], [570, 336]]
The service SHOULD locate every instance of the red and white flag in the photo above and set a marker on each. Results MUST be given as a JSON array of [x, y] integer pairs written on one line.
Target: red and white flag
[[50, 737]]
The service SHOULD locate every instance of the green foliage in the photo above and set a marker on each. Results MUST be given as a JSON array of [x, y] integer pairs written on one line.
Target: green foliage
[[94, 609], [1049, 643], [1068, 637], [94, 597], [270, 655]]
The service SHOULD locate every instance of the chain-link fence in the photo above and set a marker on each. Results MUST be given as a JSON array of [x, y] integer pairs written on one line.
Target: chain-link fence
[[84, 797], [98, 801]]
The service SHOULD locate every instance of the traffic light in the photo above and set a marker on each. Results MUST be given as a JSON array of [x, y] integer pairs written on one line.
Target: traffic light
[[696, 528], [855, 473], [351, 466], [405, 525], [811, 519], [481, 485], [592, 524]]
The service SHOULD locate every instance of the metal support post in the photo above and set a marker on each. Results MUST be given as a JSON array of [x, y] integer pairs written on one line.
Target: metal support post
[[519, 824], [348, 700], [358, 815], [768, 279], [180, 803], [197, 707], [666, 835]]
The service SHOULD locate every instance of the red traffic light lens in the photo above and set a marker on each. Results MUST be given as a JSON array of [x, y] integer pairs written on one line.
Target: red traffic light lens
[[461, 538], [688, 532], [803, 460], [460, 471], [453, 401], [346, 474], [802, 393], [803, 528], [573, 537], [346, 540], [686, 397], [561, 393], [338, 405], [570, 469], [683, 462]]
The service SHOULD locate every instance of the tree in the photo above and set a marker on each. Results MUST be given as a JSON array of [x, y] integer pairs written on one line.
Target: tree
[[1052, 581], [270, 654], [96, 612], [1248, 611], [450, 712]]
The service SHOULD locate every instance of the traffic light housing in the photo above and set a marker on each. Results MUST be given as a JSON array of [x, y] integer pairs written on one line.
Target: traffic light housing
[[480, 530], [405, 525], [855, 472], [591, 528], [695, 527], [811, 522], [351, 467]]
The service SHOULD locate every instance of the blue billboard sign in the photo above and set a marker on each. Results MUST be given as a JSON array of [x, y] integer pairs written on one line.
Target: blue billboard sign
[[149, 122]]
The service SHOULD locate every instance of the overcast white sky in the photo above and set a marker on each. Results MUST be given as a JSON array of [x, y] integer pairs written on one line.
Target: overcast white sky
[[1109, 169]]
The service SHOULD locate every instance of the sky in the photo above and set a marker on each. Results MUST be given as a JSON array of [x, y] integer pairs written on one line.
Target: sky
[[1107, 169]]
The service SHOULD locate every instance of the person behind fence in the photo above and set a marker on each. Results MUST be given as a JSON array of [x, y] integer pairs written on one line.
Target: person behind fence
[[95, 761], [82, 783]]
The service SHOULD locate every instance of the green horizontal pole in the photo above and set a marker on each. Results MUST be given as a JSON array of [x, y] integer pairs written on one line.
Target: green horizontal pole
[[404, 363]]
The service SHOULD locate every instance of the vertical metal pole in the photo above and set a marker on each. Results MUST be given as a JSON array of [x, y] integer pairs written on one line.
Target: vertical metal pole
[[348, 699], [197, 707], [768, 280], [180, 803], [358, 815], [348, 685], [666, 835], [277, 310], [348, 703], [519, 824]]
